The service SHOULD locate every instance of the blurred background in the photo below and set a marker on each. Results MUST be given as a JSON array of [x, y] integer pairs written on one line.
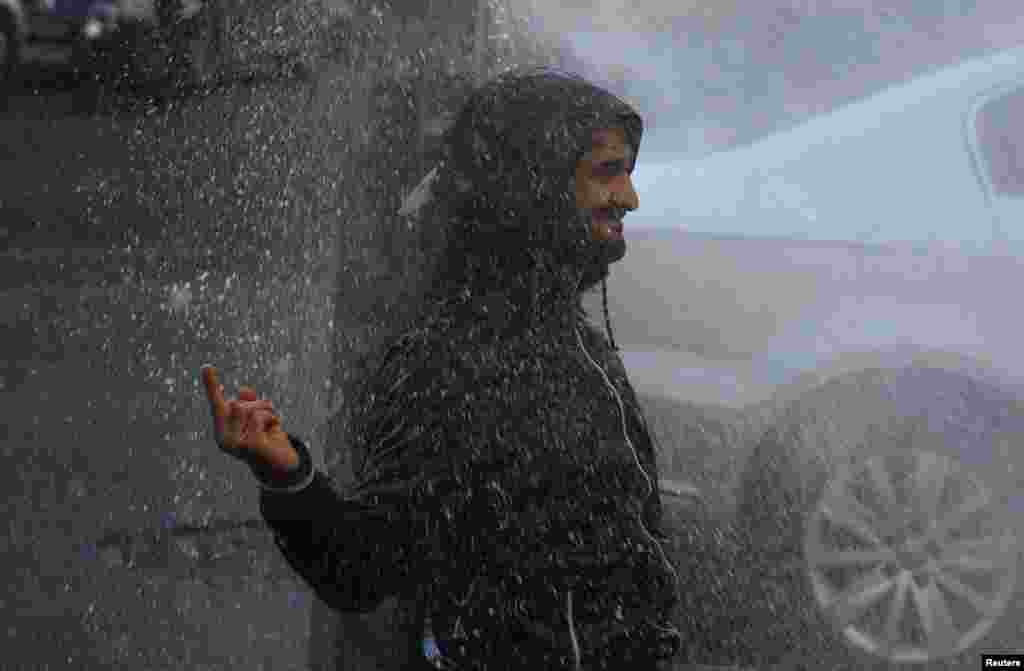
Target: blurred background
[[191, 182]]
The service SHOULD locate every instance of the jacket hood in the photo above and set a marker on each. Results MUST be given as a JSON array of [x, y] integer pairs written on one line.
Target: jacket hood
[[503, 197]]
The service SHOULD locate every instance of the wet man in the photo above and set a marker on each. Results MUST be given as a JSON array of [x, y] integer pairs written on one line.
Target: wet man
[[506, 481]]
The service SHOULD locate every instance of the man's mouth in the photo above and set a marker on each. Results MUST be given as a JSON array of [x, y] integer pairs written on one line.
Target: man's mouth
[[614, 227]]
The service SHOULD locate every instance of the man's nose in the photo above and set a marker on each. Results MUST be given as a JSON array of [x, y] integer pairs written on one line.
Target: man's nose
[[626, 196]]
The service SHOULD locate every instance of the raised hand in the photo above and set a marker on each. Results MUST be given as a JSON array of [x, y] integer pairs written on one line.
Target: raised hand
[[247, 428]]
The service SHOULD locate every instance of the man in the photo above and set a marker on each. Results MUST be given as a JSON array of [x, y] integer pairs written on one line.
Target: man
[[507, 480]]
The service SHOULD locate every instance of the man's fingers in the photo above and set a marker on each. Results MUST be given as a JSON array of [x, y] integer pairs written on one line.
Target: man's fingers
[[254, 427], [243, 416], [235, 421], [214, 392], [260, 420], [253, 406], [209, 374]]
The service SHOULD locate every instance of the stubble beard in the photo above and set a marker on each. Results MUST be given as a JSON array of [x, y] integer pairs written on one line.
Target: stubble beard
[[606, 252]]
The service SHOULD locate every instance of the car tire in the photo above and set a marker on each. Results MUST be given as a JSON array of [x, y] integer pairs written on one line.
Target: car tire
[[780, 613], [196, 43], [824, 446], [9, 48], [894, 548], [141, 58]]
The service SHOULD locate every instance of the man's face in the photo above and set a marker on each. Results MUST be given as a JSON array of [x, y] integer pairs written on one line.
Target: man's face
[[604, 189]]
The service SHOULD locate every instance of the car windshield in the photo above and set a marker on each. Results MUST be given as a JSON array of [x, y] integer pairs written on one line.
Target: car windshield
[[812, 308]]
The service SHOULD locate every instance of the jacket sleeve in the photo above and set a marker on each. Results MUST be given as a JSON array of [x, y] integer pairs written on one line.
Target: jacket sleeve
[[351, 555]]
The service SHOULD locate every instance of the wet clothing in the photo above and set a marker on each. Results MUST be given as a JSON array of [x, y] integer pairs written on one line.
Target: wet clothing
[[505, 477]]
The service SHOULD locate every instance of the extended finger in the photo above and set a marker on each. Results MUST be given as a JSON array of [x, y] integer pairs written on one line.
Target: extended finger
[[214, 390], [215, 396]]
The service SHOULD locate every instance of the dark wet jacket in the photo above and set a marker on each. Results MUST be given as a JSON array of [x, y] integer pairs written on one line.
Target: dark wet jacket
[[506, 478]]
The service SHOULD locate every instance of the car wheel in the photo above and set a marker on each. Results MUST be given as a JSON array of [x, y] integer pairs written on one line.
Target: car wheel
[[9, 48], [143, 60], [878, 583], [197, 40], [910, 557]]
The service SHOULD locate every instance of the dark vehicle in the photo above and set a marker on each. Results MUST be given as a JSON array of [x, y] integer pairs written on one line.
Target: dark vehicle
[[140, 37], [30, 27]]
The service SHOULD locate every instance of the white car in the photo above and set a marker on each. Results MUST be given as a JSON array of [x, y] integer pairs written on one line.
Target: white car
[[851, 296]]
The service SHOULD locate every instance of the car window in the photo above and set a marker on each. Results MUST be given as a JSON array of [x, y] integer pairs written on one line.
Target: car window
[[1001, 140]]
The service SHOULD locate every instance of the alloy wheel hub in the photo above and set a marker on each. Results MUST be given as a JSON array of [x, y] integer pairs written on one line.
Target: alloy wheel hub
[[908, 557]]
